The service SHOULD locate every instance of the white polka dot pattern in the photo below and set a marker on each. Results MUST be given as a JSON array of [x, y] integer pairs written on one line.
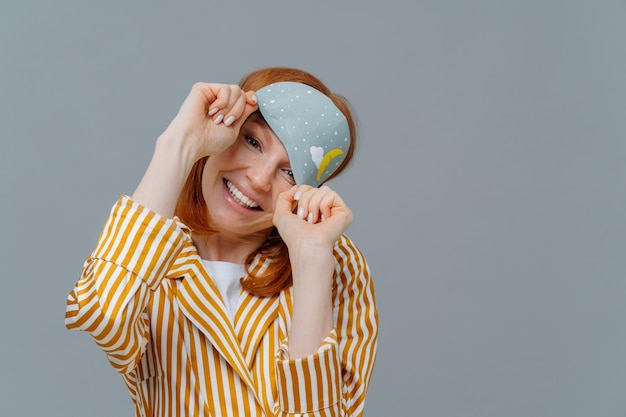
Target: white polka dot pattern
[[313, 130]]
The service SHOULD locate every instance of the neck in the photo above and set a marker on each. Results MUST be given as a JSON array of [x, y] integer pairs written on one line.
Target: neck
[[221, 247]]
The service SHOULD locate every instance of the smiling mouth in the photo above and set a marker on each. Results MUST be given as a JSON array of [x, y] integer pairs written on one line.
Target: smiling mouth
[[241, 199]]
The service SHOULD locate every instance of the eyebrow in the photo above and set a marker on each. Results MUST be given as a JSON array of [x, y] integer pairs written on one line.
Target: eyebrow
[[261, 123], [257, 119]]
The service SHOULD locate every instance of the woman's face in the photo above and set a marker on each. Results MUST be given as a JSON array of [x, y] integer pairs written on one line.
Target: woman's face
[[241, 184]]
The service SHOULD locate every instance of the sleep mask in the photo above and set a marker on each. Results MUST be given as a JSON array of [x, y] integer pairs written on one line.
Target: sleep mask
[[312, 129]]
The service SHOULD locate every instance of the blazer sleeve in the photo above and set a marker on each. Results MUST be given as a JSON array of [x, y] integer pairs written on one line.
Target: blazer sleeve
[[133, 253], [334, 380]]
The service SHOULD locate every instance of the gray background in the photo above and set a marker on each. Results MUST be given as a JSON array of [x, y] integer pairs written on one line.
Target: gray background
[[488, 190]]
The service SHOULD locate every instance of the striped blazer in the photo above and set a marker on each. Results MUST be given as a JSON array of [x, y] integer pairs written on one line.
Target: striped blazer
[[148, 302]]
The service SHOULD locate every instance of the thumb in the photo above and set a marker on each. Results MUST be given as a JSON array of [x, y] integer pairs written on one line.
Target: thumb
[[285, 201], [251, 107]]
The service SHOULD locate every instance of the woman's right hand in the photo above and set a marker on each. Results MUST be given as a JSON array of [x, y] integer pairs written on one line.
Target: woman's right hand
[[207, 123], [210, 117]]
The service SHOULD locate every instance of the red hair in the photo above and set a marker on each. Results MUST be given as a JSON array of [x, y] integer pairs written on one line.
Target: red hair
[[191, 206]]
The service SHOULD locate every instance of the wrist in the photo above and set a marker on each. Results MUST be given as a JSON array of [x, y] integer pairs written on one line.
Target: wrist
[[310, 249], [177, 147], [310, 263], [160, 187]]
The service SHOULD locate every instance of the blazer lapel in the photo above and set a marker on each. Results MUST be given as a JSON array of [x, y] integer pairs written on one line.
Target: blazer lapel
[[252, 318], [201, 303], [254, 314]]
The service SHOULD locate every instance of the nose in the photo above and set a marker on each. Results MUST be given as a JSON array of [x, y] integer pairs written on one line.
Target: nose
[[260, 176]]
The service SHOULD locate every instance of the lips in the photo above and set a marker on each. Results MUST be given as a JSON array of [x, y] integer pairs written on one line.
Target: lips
[[240, 198]]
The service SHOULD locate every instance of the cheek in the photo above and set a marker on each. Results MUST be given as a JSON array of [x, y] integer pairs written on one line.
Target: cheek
[[277, 189], [223, 161], [209, 172], [226, 157]]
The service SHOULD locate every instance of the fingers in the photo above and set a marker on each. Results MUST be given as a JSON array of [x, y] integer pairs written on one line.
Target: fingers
[[249, 107], [251, 98], [230, 103], [306, 216], [318, 204], [285, 201]]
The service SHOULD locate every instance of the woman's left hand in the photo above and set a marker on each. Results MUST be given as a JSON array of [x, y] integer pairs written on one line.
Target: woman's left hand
[[310, 221], [310, 218]]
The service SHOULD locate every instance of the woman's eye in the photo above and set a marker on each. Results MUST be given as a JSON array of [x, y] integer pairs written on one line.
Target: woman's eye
[[289, 173], [253, 142]]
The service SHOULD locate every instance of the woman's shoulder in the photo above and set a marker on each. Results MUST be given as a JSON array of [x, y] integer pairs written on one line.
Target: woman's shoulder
[[353, 277], [347, 245], [349, 258]]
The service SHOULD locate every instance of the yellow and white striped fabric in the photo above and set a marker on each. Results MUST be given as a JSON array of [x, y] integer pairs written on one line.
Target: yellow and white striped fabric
[[148, 302]]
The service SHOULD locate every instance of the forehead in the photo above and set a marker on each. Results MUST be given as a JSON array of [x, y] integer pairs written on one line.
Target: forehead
[[256, 122]]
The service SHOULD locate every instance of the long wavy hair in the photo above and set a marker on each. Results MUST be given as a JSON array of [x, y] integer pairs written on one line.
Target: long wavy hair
[[192, 210]]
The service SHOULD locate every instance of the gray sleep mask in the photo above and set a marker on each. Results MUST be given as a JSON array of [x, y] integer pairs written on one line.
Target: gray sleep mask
[[312, 129]]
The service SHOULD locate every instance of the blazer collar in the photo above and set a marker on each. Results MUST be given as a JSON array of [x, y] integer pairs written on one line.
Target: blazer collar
[[201, 303]]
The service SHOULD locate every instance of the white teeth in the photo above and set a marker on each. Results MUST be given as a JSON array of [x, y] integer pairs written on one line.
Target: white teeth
[[238, 195]]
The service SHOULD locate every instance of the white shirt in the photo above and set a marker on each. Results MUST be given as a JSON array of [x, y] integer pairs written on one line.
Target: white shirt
[[226, 276]]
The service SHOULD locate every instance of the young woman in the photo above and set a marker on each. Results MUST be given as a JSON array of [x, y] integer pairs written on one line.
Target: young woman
[[225, 286]]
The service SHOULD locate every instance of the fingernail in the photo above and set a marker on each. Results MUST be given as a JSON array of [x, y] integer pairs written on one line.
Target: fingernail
[[301, 212], [297, 195], [218, 119], [213, 111], [323, 217], [229, 120], [254, 99], [310, 218]]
